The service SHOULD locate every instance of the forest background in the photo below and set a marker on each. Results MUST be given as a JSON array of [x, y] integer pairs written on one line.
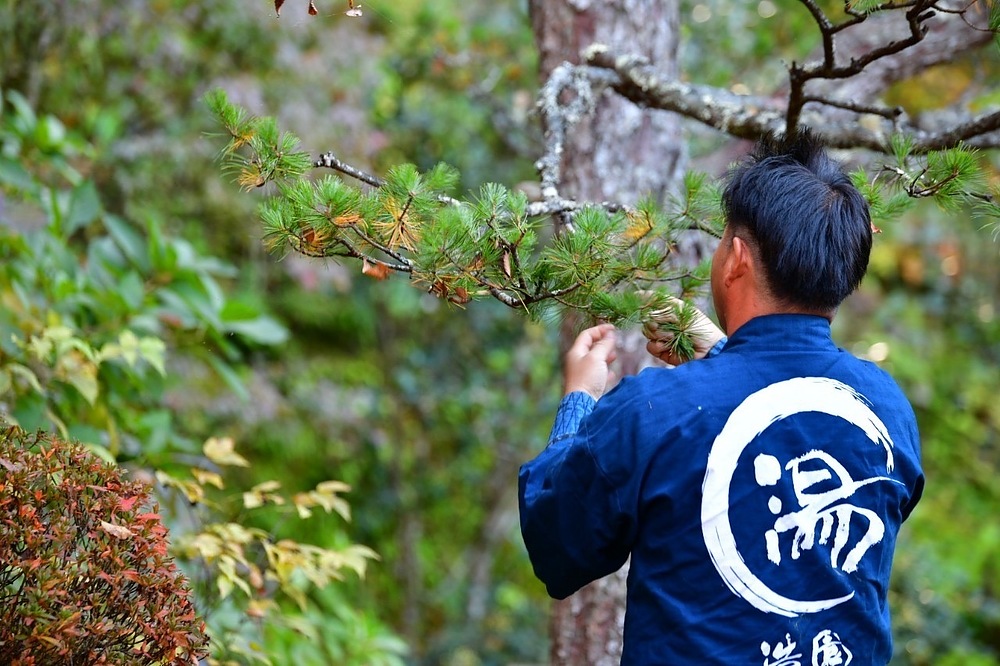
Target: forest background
[[117, 218]]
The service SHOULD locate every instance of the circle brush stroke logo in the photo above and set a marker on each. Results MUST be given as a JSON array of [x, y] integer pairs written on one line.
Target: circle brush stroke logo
[[750, 419]]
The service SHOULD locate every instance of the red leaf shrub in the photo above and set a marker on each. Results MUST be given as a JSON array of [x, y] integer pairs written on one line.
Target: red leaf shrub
[[85, 577]]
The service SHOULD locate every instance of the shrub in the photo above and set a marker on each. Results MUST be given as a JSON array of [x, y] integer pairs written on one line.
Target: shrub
[[85, 577]]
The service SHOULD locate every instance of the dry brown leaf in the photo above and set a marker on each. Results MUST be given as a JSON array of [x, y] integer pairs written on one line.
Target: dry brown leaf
[[116, 530], [506, 264], [375, 270]]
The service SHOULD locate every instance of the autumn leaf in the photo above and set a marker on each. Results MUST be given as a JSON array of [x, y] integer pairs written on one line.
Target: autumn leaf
[[638, 226], [116, 530], [461, 296], [440, 288], [313, 241], [373, 270], [506, 264]]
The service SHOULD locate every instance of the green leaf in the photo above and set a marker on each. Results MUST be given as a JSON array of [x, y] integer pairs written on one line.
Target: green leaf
[[100, 451], [26, 374], [25, 119], [50, 133], [130, 241], [132, 290], [81, 375], [263, 330], [244, 318], [230, 377], [12, 173]]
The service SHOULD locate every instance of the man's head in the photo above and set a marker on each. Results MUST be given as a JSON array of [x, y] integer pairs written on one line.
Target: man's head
[[798, 234]]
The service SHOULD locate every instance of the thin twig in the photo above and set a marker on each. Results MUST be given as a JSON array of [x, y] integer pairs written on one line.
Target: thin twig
[[885, 112], [331, 161]]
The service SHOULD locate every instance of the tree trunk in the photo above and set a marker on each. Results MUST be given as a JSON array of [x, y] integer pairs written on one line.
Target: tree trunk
[[620, 153]]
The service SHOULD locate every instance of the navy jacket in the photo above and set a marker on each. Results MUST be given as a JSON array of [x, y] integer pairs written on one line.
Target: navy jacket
[[758, 492]]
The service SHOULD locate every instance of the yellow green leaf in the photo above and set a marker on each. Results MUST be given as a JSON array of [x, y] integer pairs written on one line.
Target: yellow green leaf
[[80, 373], [222, 451], [154, 350], [206, 478]]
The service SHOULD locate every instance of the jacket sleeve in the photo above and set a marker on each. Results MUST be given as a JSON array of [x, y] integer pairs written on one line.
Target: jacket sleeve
[[573, 524]]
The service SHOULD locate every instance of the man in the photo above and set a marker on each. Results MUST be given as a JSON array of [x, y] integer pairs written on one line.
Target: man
[[759, 488]]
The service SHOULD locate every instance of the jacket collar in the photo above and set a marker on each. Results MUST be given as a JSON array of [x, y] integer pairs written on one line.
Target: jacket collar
[[782, 332]]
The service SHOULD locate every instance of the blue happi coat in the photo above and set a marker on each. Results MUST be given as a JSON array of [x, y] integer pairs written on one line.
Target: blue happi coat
[[758, 492]]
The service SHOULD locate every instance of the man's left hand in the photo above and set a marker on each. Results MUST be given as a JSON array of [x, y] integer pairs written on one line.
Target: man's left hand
[[586, 363]]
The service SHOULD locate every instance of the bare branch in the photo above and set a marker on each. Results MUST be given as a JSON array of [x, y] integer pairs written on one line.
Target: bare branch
[[826, 28], [830, 69], [983, 127], [331, 161], [861, 109], [750, 118], [558, 206], [737, 115], [946, 40]]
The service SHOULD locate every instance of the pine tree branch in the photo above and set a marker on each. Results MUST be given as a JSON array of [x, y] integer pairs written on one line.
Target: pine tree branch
[[553, 206], [382, 248], [331, 161], [750, 118], [633, 77], [823, 93], [830, 69]]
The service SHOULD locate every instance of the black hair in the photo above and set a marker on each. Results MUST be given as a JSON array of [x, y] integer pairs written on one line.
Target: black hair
[[810, 226]]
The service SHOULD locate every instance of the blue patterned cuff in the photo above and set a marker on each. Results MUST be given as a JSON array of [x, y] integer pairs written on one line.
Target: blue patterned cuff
[[573, 409], [717, 347]]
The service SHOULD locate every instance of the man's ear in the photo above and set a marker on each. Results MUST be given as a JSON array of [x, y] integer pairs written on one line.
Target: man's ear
[[739, 262]]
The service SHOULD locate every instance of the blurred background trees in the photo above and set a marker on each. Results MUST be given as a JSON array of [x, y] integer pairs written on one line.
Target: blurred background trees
[[142, 315]]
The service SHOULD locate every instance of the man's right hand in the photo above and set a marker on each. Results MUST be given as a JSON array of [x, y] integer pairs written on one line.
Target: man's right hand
[[586, 365], [703, 332]]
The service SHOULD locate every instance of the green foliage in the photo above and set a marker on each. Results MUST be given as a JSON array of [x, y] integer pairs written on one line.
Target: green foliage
[[744, 46], [929, 304], [459, 250], [91, 302], [85, 576], [417, 415], [994, 22], [243, 571], [351, 640], [456, 86], [129, 81], [954, 179], [96, 310], [425, 415]]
